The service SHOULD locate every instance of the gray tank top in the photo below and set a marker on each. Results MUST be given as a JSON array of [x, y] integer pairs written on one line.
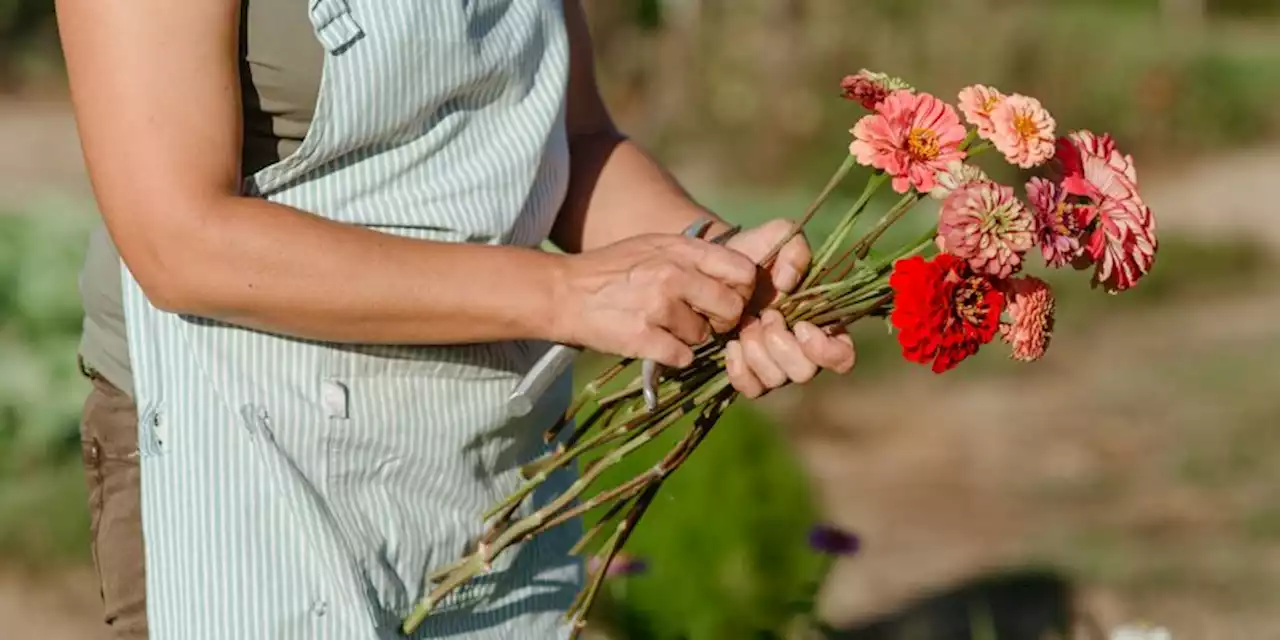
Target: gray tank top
[[280, 69]]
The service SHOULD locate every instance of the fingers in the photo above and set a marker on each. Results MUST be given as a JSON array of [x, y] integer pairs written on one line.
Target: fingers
[[666, 349], [731, 268], [768, 355], [682, 322], [721, 305], [785, 349], [835, 353], [740, 375], [758, 356], [791, 264]]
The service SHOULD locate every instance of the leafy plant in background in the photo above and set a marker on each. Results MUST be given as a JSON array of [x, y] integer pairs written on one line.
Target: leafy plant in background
[[42, 512], [730, 551]]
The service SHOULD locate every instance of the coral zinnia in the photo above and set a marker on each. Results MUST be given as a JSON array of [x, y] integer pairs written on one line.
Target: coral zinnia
[[978, 102], [1023, 131], [985, 224], [1059, 226], [869, 88], [943, 311], [1030, 304], [1121, 229], [910, 137]]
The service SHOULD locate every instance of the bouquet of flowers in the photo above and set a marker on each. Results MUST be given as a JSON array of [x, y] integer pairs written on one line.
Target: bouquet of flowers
[[946, 294]]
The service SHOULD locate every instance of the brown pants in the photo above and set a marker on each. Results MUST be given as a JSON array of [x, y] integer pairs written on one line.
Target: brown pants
[[109, 443]]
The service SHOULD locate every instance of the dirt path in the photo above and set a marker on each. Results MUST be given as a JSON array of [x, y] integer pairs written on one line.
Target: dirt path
[[49, 608]]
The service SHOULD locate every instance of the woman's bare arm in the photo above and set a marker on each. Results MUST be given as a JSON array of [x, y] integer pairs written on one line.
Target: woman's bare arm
[[617, 190], [156, 93]]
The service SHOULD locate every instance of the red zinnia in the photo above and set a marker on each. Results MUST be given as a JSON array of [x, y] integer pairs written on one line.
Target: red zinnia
[[943, 310]]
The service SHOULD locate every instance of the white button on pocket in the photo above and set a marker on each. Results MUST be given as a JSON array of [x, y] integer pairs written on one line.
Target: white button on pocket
[[336, 399]]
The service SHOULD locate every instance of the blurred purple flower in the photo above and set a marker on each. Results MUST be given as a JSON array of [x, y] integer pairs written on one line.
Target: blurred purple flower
[[623, 565], [833, 540]]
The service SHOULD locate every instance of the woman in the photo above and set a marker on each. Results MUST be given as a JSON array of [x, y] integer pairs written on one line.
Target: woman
[[329, 216]]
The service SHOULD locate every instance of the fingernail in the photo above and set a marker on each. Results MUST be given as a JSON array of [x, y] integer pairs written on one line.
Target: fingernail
[[787, 278], [805, 332]]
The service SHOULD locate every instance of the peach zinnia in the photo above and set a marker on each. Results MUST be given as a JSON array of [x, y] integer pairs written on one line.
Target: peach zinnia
[[912, 136], [1030, 305], [1023, 131], [978, 102]]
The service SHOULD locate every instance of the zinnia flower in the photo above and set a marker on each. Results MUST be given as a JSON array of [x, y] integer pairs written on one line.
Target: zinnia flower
[[943, 311], [1023, 131], [1093, 168], [911, 137], [1122, 243], [985, 224], [869, 88], [1121, 229], [1030, 306], [978, 102], [833, 540], [1059, 226], [956, 175]]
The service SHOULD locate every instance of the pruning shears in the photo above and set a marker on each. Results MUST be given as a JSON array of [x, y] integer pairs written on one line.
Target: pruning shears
[[558, 358]]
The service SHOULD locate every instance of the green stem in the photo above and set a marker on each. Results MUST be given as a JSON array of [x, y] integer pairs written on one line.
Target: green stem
[[836, 239], [863, 246], [589, 392], [581, 607], [817, 203]]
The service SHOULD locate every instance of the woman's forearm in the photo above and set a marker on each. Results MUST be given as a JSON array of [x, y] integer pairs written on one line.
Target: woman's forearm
[[616, 191], [273, 268]]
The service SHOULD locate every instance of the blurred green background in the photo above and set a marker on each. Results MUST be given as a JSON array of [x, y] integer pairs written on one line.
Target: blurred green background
[[1127, 477]]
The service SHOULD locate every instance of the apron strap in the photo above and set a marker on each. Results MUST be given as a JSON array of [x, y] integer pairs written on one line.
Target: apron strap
[[334, 24]]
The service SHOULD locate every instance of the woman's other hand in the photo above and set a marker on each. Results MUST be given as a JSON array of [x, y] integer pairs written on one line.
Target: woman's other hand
[[767, 354]]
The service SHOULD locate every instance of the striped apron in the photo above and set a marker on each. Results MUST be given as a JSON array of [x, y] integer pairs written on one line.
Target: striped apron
[[299, 489]]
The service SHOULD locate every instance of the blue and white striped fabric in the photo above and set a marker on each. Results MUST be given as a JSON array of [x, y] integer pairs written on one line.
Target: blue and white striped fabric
[[295, 489]]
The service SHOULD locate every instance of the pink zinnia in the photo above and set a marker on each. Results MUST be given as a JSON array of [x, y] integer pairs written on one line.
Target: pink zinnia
[[985, 224], [1030, 305], [910, 137], [1121, 239], [1058, 223], [869, 88], [1023, 131], [978, 102]]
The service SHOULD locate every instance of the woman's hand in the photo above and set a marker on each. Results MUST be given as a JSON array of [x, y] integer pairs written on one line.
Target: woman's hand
[[767, 354], [652, 296]]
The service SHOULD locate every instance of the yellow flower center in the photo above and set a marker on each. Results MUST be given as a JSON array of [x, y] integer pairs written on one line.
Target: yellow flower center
[[1025, 126], [922, 144], [990, 103]]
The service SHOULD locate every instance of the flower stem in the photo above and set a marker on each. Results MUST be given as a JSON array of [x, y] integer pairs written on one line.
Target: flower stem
[[581, 606], [846, 224], [817, 203], [863, 246]]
